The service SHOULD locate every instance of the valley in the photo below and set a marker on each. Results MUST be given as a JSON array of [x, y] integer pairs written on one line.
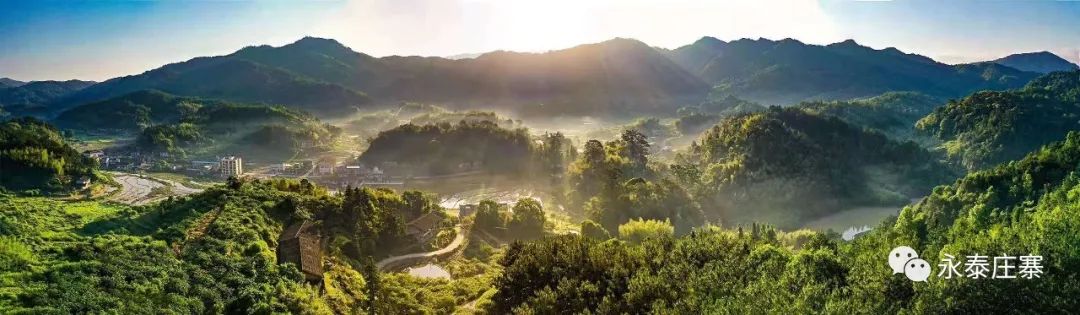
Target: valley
[[767, 176]]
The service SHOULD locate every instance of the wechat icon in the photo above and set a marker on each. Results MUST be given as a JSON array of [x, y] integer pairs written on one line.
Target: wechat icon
[[904, 259]]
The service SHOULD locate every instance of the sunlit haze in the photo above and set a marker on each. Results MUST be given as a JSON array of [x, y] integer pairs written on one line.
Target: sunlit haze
[[97, 40]]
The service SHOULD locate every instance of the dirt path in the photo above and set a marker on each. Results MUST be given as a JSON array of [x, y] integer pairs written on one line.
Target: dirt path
[[395, 261], [196, 232]]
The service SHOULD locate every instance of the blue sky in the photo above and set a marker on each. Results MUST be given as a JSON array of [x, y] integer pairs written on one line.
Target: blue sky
[[101, 39]]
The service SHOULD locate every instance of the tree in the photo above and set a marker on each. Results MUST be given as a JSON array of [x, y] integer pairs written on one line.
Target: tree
[[528, 219], [593, 230], [636, 231], [636, 148], [488, 216]]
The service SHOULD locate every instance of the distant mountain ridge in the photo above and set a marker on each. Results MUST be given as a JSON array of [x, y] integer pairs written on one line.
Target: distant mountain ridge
[[30, 98], [8, 82], [615, 77], [230, 79], [322, 76], [1041, 62], [789, 71]]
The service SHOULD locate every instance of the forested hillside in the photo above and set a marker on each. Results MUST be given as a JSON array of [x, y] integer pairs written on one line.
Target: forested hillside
[[230, 79], [209, 253], [131, 112], [893, 113], [214, 128], [789, 71], [1029, 207], [787, 165], [35, 98], [446, 148], [35, 158], [1041, 62], [989, 127]]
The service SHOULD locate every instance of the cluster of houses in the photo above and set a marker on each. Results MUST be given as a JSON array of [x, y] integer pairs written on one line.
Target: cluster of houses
[[135, 161]]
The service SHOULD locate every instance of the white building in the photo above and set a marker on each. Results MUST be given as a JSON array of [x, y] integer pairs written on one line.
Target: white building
[[231, 166]]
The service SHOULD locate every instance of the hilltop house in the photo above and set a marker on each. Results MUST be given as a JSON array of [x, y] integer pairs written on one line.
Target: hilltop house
[[299, 244], [465, 210], [424, 227]]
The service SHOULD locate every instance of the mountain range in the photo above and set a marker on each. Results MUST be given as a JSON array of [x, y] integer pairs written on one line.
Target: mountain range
[[614, 77], [8, 82], [28, 98], [1041, 62], [789, 71]]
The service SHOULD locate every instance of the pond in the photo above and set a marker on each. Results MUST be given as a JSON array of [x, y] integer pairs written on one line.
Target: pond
[[429, 271]]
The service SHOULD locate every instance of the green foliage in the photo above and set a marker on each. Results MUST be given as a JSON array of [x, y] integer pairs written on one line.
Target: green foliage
[[34, 98], [1030, 206], [34, 156], [614, 183], [208, 253], [785, 165], [131, 112], [636, 231], [489, 216], [446, 148], [593, 230], [185, 126], [170, 138], [527, 221], [988, 128], [893, 113]]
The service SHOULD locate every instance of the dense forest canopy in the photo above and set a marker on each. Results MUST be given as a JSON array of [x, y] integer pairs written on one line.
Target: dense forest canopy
[[131, 112], [1020, 208], [209, 253], [675, 189], [35, 157], [32, 98], [893, 113], [988, 128], [785, 165], [184, 126], [446, 148]]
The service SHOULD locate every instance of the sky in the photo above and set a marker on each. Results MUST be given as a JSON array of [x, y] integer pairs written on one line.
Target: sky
[[102, 39]]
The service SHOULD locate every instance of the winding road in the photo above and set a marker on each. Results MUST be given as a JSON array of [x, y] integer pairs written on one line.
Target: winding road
[[400, 260]]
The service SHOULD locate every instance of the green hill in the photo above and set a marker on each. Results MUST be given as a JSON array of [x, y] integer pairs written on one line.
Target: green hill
[[1027, 207], [446, 148], [35, 98], [893, 113], [185, 126], [988, 127], [787, 165], [131, 112], [35, 158], [789, 71], [212, 252], [1041, 62], [229, 79]]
